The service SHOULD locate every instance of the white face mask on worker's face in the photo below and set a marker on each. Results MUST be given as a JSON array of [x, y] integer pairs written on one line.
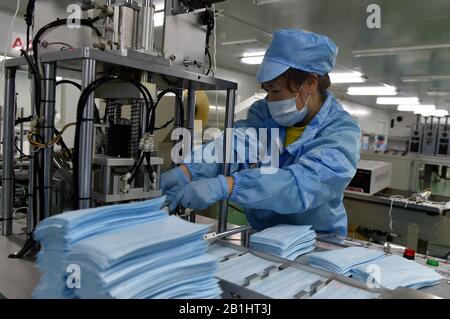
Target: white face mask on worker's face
[[285, 112]]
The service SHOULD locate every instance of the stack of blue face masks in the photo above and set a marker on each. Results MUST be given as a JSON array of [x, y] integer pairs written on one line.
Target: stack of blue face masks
[[59, 233], [342, 261], [135, 251], [159, 259], [395, 271], [286, 241]]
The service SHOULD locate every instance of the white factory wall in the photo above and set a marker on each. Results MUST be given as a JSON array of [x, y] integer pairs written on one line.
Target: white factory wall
[[5, 21], [371, 120], [22, 85], [23, 89], [247, 85]]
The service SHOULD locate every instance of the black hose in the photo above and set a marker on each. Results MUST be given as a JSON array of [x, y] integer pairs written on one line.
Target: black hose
[[22, 154], [135, 167], [63, 145], [150, 106], [208, 18], [34, 68], [21, 120], [210, 62], [38, 175], [55, 24], [165, 124], [180, 103], [78, 86], [80, 109], [29, 16], [37, 81]]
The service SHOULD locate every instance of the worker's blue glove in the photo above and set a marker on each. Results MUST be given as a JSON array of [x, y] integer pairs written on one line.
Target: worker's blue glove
[[172, 182], [202, 193]]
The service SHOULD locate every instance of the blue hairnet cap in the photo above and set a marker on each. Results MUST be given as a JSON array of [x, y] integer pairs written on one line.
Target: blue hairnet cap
[[298, 49]]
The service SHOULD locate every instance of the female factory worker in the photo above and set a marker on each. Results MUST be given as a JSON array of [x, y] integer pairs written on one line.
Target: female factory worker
[[321, 145]]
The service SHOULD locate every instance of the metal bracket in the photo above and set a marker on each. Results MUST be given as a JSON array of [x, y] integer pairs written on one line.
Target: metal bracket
[[251, 279], [301, 295], [229, 256], [319, 284], [270, 271]]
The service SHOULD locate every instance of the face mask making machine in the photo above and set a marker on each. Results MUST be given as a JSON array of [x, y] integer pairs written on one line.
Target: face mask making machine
[[126, 66]]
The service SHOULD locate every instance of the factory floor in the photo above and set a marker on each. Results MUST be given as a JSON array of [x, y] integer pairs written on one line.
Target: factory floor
[[18, 277]]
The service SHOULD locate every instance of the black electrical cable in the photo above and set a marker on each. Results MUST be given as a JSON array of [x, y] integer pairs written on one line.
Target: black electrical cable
[[29, 17], [152, 120], [65, 81], [180, 103], [210, 62], [61, 141], [58, 23], [148, 100], [150, 106], [135, 167], [37, 86], [95, 19], [208, 19], [96, 115], [37, 81], [22, 154], [35, 66], [64, 146], [78, 86], [21, 120], [165, 124], [38, 176]]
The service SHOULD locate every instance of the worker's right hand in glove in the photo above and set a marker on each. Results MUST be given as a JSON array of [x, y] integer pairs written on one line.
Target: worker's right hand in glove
[[172, 182]]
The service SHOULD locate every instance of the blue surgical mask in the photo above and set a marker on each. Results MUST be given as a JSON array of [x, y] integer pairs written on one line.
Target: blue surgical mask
[[285, 112]]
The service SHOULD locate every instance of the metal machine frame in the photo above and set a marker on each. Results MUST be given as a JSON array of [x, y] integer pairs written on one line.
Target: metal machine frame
[[86, 62]]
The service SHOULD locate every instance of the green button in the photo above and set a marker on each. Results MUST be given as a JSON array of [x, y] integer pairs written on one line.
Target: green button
[[432, 262]]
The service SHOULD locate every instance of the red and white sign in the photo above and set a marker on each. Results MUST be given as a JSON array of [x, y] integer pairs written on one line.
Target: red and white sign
[[18, 41]]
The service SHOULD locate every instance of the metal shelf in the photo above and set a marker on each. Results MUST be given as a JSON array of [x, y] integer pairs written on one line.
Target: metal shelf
[[87, 64], [157, 66]]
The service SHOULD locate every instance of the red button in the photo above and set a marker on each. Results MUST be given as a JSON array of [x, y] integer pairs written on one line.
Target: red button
[[409, 253]]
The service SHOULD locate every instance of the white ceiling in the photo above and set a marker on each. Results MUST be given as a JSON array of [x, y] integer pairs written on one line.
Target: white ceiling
[[404, 23]]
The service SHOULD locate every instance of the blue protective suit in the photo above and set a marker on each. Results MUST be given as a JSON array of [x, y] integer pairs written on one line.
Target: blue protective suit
[[315, 170]]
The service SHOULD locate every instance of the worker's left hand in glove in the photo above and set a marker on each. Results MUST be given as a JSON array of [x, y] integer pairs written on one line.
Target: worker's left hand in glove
[[202, 193]]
